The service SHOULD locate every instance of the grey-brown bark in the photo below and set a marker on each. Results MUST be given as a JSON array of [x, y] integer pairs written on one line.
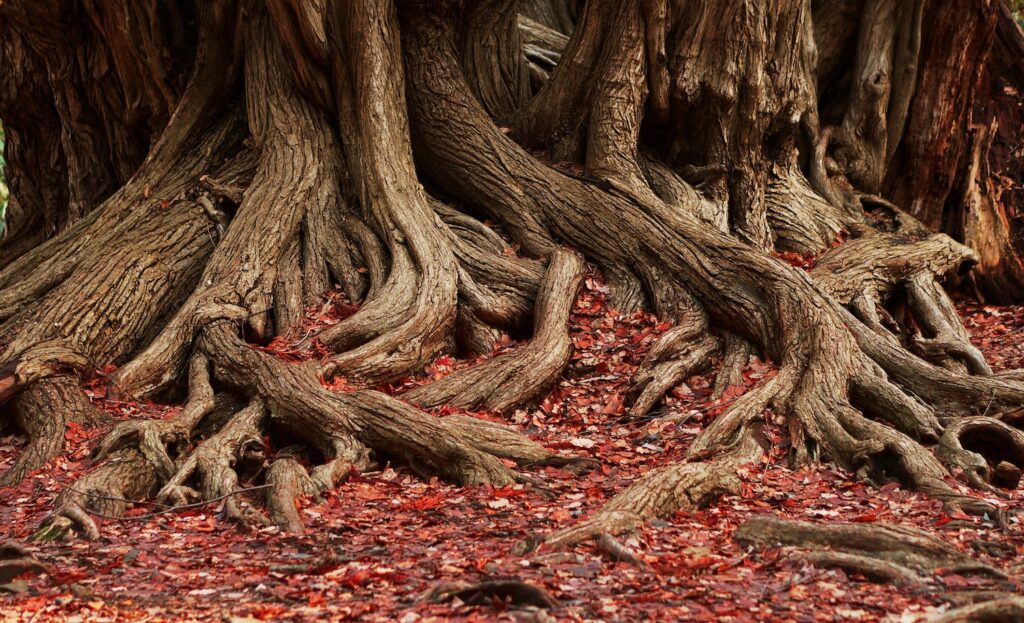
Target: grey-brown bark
[[677, 145]]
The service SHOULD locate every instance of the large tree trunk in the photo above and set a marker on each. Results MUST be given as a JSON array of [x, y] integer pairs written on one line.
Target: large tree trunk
[[173, 226]]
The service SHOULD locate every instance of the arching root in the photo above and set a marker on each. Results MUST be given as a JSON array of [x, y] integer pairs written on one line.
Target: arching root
[[990, 452], [510, 379], [883, 552], [288, 480], [683, 486]]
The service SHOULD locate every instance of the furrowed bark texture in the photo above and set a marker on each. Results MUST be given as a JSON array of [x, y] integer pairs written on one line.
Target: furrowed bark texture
[[192, 181]]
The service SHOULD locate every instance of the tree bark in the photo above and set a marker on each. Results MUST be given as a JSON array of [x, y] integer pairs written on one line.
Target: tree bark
[[182, 200]]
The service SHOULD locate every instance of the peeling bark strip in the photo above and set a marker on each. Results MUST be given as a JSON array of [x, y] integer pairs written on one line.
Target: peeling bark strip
[[182, 199]]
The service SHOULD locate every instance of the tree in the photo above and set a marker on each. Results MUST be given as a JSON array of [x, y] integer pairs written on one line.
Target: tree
[[187, 178]]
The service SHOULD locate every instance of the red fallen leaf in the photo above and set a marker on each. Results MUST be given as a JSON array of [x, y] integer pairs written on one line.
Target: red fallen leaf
[[614, 406], [866, 518], [208, 525], [426, 502], [315, 599], [941, 521], [509, 492], [266, 612], [734, 391]]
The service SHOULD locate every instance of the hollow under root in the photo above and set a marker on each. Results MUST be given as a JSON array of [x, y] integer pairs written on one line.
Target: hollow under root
[[883, 552], [42, 410], [513, 378]]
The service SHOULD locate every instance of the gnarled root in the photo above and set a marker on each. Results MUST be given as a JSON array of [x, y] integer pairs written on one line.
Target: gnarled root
[[513, 378], [152, 438], [680, 352], [217, 462], [288, 480], [107, 491], [880, 551]]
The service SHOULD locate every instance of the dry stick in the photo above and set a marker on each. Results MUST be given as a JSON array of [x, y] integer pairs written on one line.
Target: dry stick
[[166, 509]]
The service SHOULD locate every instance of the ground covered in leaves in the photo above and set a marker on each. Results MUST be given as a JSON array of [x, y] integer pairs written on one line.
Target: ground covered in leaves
[[379, 542]]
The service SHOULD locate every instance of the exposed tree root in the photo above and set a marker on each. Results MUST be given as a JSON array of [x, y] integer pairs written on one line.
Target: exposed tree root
[[682, 351], [828, 360], [1003, 610], [676, 177], [15, 560], [882, 552], [216, 465], [106, 491], [514, 378], [42, 412], [298, 165], [410, 318], [734, 360]]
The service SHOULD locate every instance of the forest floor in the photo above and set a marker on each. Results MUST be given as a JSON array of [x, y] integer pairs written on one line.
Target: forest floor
[[378, 542]]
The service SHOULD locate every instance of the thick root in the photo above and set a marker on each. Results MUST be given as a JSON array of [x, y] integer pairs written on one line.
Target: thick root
[[42, 411], [883, 552], [410, 321], [506, 443], [288, 480], [107, 491], [1003, 610], [299, 402], [735, 358], [509, 380], [152, 438]]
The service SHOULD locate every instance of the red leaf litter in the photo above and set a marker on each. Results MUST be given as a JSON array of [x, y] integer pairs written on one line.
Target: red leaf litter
[[380, 541]]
